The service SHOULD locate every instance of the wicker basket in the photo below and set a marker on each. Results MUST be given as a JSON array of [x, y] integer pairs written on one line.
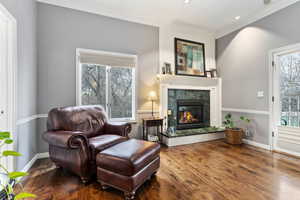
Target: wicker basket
[[234, 136]]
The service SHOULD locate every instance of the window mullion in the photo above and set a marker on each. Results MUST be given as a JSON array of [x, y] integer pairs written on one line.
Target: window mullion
[[133, 90], [107, 93]]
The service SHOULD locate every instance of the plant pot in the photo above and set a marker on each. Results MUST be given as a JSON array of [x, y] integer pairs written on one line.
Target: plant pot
[[234, 136]]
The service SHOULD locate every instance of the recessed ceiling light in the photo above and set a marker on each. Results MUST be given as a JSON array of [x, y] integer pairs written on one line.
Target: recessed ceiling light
[[237, 17], [187, 1]]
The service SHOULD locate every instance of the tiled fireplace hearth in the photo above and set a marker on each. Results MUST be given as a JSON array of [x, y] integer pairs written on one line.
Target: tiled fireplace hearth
[[189, 109]]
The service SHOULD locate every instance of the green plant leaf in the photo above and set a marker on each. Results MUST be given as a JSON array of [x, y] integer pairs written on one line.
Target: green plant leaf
[[14, 175], [9, 189], [23, 195], [8, 141], [242, 118], [231, 124], [4, 135], [11, 153]]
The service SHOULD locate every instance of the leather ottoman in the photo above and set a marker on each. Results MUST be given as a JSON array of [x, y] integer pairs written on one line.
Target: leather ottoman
[[127, 165]]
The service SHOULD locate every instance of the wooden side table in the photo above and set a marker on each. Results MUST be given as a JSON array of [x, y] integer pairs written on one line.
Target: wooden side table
[[153, 122]]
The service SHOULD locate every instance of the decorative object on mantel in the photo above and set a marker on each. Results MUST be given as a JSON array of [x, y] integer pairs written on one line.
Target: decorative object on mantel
[[163, 70], [189, 58], [168, 68], [211, 73], [208, 74], [234, 135], [152, 97], [214, 73]]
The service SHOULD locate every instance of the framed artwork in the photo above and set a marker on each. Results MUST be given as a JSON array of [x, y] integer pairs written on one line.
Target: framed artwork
[[168, 68], [209, 74], [189, 58], [214, 73]]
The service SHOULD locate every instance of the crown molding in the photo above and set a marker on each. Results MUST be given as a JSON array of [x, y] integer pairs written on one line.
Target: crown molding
[[251, 19]]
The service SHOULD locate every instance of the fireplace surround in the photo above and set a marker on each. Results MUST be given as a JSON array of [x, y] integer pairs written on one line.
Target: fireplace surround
[[207, 90], [188, 109]]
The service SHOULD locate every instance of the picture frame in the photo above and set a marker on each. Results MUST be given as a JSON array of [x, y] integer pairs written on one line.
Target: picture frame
[[163, 70], [168, 68], [189, 58], [214, 73], [209, 74]]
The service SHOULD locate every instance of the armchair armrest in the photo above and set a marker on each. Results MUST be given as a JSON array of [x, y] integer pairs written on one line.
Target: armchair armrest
[[66, 139], [117, 128]]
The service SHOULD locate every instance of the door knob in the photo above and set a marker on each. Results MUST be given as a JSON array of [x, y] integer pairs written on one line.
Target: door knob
[[2, 112]]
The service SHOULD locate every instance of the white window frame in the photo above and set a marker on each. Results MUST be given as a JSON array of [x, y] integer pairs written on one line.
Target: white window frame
[[80, 51], [12, 63], [274, 106]]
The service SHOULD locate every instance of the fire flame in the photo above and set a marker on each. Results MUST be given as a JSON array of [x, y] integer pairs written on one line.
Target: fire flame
[[187, 117]]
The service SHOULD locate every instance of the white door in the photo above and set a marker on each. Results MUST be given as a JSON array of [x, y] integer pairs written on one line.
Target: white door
[[286, 100], [4, 125]]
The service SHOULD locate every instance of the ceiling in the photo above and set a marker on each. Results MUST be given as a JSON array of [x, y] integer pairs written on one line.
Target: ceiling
[[217, 16]]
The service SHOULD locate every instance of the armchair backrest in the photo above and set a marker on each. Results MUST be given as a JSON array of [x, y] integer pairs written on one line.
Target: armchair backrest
[[88, 119]]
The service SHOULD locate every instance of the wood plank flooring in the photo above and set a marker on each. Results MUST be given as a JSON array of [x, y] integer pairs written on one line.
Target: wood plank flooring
[[202, 171]]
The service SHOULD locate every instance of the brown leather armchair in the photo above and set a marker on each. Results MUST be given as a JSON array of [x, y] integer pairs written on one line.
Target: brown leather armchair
[[76, 134]]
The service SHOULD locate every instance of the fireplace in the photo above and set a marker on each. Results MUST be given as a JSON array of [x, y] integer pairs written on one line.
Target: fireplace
[[188, 109], [190, 114]]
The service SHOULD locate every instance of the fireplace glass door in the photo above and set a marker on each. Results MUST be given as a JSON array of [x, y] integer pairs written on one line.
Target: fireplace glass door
[[189, 114]]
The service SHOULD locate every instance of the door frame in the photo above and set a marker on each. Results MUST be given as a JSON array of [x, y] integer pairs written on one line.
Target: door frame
[[272, 81], [11, 79]]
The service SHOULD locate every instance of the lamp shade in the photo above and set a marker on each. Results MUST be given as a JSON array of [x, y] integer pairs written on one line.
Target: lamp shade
[[152, 96]]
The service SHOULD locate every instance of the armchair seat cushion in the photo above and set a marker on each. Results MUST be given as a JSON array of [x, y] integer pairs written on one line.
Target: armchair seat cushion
[[102, 142]]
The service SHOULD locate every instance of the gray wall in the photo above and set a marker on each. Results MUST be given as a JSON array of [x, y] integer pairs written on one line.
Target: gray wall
[[60, 31], [242, 59], [25, 13]]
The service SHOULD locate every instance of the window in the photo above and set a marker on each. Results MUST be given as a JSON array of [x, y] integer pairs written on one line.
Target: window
[[107, 79], [290, 89]]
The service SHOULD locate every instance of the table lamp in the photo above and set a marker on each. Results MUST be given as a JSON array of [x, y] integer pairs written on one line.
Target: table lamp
[[152, 97]]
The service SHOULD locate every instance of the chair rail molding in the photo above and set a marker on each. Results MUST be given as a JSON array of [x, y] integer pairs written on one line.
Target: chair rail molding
[[30, 118], [248, 111]]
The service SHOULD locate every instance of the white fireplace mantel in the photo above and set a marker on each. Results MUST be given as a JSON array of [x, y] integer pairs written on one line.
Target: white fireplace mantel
[[214, 85]]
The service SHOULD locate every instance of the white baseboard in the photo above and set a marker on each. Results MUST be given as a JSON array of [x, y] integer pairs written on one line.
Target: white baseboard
[[42, 155], [288, 152], [34, 159], [256, 144], [30, 163]]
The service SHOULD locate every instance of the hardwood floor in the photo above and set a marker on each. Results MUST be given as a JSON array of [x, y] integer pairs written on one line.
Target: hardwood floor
[[203, 171]]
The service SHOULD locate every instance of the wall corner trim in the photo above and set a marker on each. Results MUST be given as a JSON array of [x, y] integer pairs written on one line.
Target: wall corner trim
[[256, 144]]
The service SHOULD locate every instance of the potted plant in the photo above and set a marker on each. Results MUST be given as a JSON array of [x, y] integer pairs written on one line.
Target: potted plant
[[8, 180], [234, 135]]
